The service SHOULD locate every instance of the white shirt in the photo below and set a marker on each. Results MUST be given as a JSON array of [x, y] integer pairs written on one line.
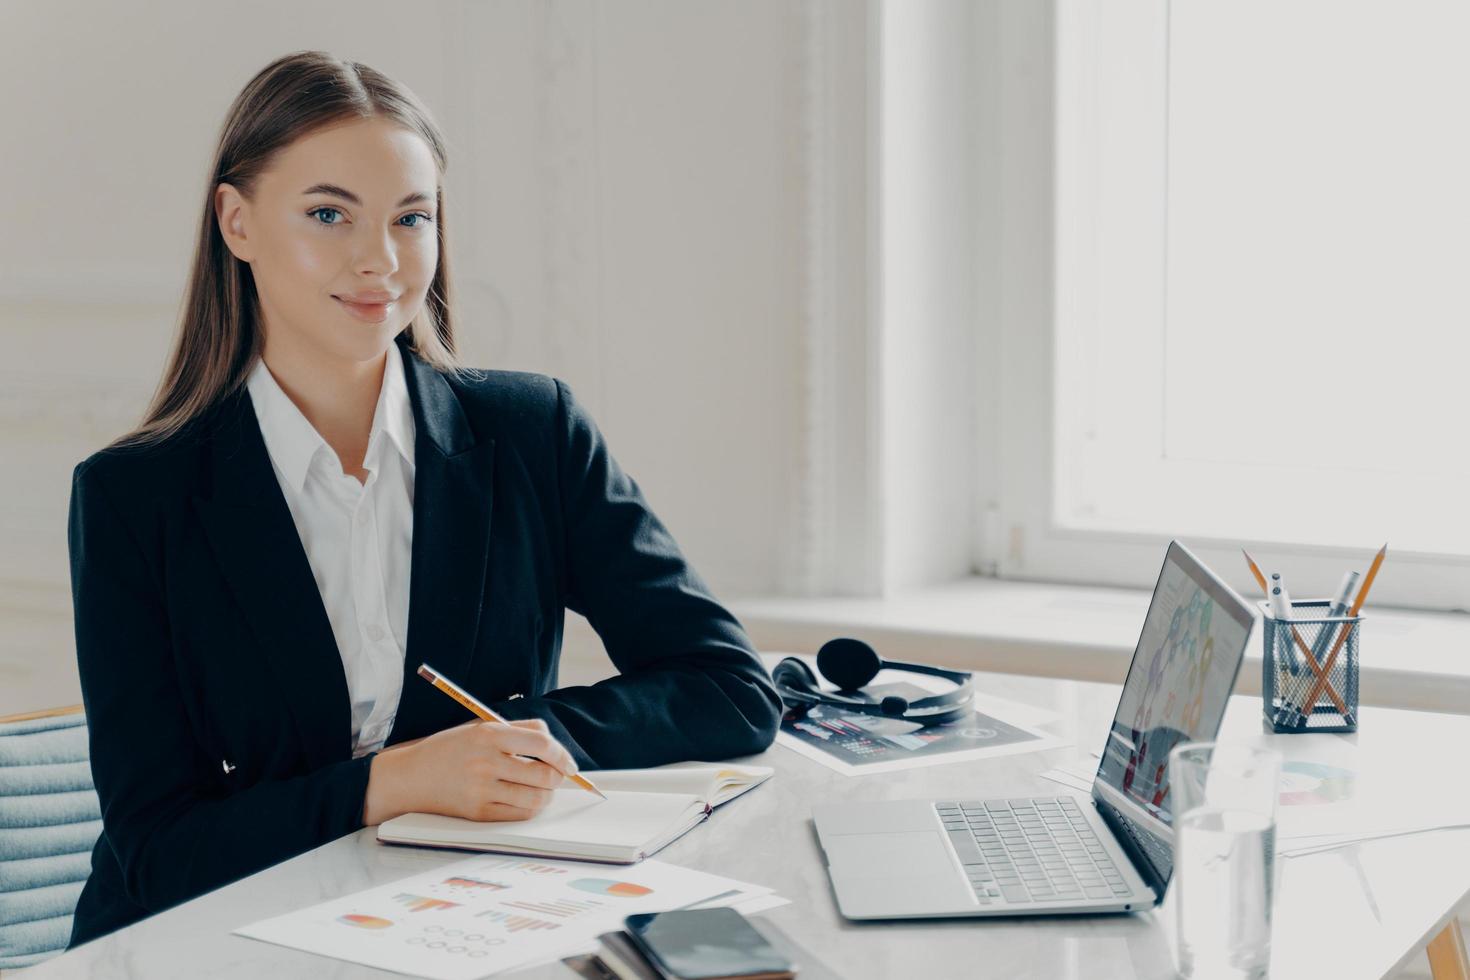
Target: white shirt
[[358, 536]]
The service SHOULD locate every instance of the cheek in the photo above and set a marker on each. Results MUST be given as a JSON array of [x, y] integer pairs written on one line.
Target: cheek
[[295, 263], [420, 260], [311, 258]]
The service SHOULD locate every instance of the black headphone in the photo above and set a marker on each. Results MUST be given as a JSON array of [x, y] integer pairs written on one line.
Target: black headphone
[[850, 664]]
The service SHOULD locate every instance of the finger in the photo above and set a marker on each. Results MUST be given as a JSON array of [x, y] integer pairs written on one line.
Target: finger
[[519, 740], [528, 772], [516, 794], [536, 723], [502, 811]]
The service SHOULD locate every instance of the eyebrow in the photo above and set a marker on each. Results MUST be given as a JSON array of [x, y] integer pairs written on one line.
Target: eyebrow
[[347, 195]]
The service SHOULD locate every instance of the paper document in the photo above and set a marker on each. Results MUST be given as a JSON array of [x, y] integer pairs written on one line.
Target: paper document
[[1071, 777], [857, 744], [488, 913], [1337, 790]]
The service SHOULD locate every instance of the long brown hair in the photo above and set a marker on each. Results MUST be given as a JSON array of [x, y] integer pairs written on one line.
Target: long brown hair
[[219, 336]]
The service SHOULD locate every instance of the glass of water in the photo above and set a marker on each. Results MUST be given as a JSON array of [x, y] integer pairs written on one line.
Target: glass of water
[[1224, 805]]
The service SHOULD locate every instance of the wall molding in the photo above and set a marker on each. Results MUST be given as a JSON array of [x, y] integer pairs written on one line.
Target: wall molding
[[836, 545]]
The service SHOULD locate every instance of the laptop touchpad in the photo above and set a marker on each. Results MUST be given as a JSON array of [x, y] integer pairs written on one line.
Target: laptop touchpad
[[920, 854]]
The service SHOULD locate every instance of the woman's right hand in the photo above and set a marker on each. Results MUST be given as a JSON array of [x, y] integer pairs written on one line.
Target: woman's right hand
[[475, 771]]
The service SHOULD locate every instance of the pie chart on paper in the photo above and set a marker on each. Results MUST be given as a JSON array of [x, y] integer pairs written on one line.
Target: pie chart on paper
[[1313, 784], [364, 921], [606, 886]]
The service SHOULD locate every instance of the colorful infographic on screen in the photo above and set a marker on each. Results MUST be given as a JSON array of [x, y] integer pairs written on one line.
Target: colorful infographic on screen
[[1176, 688]]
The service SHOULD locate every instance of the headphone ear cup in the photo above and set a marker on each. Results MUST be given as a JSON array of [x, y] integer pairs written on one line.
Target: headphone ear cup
[[848, 663], [894, 706]]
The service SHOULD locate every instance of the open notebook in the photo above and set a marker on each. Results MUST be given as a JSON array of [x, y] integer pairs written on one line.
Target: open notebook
[[645, 809]]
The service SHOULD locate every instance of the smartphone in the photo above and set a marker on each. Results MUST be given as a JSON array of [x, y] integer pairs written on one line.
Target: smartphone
[[707, 944]]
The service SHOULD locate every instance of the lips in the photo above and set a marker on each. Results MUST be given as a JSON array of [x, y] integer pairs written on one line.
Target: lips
[[372, 312]]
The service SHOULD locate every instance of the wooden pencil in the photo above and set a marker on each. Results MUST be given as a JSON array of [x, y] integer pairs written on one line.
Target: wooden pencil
[[488, 714], [1302, 646], [1357, 606]]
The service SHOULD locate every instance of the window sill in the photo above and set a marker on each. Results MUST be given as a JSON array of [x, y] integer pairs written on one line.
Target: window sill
[[1411, 659]]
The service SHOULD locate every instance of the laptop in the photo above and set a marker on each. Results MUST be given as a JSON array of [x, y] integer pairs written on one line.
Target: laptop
[[1050, 855]]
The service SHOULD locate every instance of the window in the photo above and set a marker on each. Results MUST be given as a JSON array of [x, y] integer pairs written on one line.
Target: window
[[1262, 327]]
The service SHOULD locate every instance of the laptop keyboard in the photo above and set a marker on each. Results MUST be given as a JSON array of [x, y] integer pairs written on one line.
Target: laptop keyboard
[[1030, 850]]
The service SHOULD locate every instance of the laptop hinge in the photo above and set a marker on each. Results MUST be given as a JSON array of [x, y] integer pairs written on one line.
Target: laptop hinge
[[1131, 849]]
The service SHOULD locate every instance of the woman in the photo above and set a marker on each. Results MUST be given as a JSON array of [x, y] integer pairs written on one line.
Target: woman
[[320, 499]]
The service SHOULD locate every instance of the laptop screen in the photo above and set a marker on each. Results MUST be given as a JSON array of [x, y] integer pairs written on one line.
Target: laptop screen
[[1182, 673]]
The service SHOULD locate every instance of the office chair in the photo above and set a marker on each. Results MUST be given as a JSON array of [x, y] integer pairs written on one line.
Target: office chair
[[49, 821]]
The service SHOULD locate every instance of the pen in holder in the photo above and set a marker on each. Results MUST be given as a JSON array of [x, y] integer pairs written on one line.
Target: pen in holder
[[1309, 669]]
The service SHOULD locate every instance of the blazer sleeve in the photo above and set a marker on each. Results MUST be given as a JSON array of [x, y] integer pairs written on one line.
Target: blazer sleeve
[[690, 684], [175, 832]]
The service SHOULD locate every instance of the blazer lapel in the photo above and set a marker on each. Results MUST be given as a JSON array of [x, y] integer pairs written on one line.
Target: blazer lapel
[[453, 495], [255, 541]]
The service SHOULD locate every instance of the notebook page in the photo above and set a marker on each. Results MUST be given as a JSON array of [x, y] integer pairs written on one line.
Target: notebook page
[[712, 782], [688, 782], [573, 819]]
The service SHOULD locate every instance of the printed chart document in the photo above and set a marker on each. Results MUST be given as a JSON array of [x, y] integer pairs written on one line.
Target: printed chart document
[[645, 810], [488, 913], [857, 744], [1335, 792]]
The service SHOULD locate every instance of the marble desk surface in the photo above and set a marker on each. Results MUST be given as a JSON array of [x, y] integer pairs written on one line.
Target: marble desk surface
[[1356, 912]]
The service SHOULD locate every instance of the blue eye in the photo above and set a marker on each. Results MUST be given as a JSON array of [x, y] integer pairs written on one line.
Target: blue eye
[[417, 214]]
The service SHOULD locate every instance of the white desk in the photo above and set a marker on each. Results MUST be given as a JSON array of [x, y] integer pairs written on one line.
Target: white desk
[[1358, 912]]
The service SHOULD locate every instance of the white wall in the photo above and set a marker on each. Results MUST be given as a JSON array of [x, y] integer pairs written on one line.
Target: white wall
[[675, 206]]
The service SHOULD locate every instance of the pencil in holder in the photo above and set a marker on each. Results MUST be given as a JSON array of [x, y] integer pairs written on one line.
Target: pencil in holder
[[1309, 669]]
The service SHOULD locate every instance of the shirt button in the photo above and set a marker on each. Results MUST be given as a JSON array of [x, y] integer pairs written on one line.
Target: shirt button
[[362, 516], [374, 631]]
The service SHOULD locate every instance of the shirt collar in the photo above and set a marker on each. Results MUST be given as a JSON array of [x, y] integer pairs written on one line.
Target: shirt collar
[[394, 413], [293, 442]]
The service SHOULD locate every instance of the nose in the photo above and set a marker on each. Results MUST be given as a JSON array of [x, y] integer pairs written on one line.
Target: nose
[[376, 254]]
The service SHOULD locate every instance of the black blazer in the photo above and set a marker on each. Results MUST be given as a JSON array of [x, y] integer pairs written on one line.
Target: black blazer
[[202, 639]]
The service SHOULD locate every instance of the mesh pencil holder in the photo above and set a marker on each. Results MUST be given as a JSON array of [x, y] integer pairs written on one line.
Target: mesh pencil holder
[[1294, 695]]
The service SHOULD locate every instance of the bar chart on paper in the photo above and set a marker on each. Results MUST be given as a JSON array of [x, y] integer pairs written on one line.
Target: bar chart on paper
[[421, 903], [485, 914], [514, 921], [602, 886], [556, 907]]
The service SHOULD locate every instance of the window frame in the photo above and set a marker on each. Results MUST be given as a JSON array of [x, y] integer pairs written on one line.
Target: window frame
[[1043, 251]]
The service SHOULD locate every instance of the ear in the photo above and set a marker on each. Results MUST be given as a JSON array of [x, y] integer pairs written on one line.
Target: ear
[[230, 209]]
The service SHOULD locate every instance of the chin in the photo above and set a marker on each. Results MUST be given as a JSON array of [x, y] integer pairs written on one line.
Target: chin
[[364, 344], [357, 335]]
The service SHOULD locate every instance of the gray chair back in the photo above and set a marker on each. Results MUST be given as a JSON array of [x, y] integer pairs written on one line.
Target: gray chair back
[[49, 822]]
